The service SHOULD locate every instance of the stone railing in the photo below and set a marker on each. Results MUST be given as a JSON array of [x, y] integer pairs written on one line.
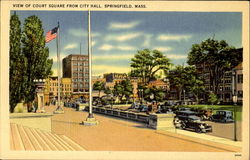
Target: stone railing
[[140, 117]]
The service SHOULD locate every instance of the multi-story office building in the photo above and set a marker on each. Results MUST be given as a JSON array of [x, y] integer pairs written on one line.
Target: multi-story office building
[[75, 66]]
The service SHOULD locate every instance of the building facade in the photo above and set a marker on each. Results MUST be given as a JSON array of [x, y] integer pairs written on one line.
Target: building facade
[[115, 77], [76, 67], [51, 88]]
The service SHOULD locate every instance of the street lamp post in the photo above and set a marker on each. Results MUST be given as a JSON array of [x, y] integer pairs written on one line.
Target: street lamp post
[[234, 93], [184, 96], [235, 103]]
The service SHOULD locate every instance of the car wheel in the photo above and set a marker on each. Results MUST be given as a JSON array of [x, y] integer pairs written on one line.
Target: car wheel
[[198, 130], [183, 126]]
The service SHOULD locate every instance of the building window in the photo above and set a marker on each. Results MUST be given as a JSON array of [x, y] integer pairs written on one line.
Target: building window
[[227, 88], [240, 78], [240, 94], [81, 85]]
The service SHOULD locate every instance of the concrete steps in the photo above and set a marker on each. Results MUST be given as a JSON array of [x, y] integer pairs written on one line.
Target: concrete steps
[[30, 139]]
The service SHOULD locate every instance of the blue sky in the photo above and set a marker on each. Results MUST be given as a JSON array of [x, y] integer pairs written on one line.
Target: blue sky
[[116, 36]]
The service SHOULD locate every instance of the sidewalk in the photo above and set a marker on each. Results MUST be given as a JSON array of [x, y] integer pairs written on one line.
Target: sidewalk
[[205, 137]]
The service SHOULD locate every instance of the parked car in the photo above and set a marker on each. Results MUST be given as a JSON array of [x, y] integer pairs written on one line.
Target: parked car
[[184, 109], [182, 115], [194, 123], [143, 108], [134, 105], [222, 116], [164, 109], [204, 114]]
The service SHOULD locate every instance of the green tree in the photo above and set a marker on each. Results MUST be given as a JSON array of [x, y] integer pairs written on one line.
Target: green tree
[[212, 98], [123, 89], [216, 57], [186, 77], [17, 63], [107, 91], [99, 86], [127, 89], [194, 84], [38, 64], [147, 63], [154, 94], [178, 78]]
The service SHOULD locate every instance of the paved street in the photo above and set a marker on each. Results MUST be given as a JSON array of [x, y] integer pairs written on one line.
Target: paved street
[[122, 135]]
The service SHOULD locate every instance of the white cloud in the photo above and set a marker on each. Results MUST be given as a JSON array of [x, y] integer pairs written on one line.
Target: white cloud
[[70, 46], [163, 49], [94, 43], [119, 25], [106, 47], [175, 56], [147, 40], [112, 57], [173, 37], [123, 37]]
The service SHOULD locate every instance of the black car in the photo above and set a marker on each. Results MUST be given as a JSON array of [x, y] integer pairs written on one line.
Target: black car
[[164, 109], [194, 123], [182, 115], [222, 116], [143, 108]]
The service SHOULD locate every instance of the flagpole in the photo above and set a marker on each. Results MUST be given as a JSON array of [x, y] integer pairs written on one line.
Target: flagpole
[[59, 108], [90, 119]]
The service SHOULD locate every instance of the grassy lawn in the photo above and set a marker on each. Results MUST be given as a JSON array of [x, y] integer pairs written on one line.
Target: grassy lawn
[[219, 107]]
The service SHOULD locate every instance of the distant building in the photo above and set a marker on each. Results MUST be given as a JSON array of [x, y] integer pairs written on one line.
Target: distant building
[[115, 77], [97, 78], [51, 88], [158, 84], [75, 67], [112, 78]]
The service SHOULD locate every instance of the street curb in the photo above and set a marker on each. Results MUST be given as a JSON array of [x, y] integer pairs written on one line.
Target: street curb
[[215, 142]]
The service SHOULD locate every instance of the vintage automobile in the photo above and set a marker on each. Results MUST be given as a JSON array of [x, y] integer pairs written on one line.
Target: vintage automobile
[[164, 109], [182, 115], [204, 114], [143, 108], [222, 116], [192, 123]]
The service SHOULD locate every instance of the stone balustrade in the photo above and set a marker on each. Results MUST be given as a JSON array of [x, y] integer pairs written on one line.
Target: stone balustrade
[[140, 117]]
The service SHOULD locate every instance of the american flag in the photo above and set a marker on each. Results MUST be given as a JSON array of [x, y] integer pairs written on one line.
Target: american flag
[[52, 34]]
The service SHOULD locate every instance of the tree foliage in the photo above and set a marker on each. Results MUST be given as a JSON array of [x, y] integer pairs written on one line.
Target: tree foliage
[[123, 89], [212, 98], [99, 86], [17, 63], [154, 94], [217, 57], [186, 78], [28, 59], [146, 63]]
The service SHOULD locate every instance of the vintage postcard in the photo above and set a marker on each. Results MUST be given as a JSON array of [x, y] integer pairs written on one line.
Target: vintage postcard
[[124, 80]]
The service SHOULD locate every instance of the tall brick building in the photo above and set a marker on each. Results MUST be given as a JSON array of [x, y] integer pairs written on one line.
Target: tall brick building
[[75, 66]]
